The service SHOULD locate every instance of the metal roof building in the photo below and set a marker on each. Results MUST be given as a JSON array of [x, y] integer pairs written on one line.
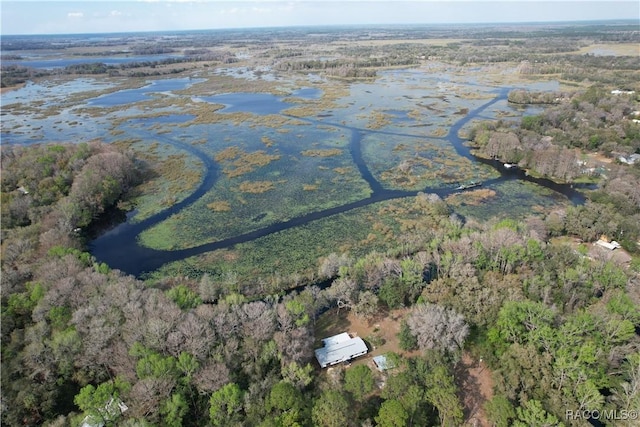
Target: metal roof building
[[382, 363], [340, 348]]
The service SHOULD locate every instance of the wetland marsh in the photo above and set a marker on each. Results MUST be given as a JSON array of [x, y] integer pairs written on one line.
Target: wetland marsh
[[248, 160]]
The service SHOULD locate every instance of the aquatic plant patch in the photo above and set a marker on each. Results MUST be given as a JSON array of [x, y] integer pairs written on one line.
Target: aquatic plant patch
[[510, 199], [322, 153], [405, 163], [220, 206], [290, 257], [256, 187], [237, 162]]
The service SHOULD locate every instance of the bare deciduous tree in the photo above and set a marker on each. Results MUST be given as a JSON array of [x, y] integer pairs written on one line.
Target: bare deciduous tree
[[436, 327], [330, 265], [258, 321], [211, 377]]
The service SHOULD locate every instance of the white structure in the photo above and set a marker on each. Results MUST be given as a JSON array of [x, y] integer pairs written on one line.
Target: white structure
[[113, 409], [631, 160], [340, 348], [622, 92], [611, 246], [382, 363]]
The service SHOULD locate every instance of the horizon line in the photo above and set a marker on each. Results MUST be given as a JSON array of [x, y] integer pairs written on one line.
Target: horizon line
[[374, 25]]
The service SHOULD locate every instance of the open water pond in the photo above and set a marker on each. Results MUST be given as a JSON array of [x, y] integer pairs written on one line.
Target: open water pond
[[258, 73], [129, 96], [259, 103], [50, 92]]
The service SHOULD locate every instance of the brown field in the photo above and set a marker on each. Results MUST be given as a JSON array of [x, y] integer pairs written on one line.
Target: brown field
[[618, 49], [430, 42]]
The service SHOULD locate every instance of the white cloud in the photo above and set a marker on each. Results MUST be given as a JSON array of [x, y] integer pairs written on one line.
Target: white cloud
[[75, 15], [115, 13]]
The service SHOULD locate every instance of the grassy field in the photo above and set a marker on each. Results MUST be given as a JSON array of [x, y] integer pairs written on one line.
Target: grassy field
[[617, 49]]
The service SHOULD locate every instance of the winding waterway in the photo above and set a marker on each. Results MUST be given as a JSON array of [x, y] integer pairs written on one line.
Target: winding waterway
[[120, 249]]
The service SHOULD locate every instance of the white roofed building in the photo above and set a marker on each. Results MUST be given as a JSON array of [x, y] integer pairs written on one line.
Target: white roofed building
[[340, 348]]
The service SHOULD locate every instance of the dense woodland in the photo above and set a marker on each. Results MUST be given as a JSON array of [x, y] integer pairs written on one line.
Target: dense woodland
[[554, 144], [556, 325]]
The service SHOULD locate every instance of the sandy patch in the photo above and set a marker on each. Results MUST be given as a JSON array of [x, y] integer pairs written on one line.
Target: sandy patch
[[599, 158], [476, 387]]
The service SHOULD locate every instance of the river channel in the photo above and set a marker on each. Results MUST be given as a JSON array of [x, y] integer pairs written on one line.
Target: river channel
[[120, 247]]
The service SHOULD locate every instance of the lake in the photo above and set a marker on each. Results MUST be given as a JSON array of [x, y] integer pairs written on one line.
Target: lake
[[259, 103]]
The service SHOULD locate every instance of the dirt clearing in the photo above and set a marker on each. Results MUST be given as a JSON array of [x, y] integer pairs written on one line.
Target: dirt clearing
[[476, 387], [380, 333]]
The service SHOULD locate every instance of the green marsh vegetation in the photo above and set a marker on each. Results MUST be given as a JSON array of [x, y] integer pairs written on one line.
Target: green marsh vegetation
[[261, 185], [171, 175], [511, 199], [409, 163], [280, 260], [290, 258]]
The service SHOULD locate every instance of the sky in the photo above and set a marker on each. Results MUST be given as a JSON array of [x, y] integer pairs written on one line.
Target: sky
[[99, 16]]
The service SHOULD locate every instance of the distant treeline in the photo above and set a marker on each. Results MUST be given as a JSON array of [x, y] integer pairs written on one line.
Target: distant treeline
[[12, 75], [345, 67]]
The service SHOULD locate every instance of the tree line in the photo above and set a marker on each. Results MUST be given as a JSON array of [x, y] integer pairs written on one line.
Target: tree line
[[554, 143]]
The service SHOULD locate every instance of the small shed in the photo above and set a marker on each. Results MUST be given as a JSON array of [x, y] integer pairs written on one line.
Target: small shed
[[382, 363], [340, 348]]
